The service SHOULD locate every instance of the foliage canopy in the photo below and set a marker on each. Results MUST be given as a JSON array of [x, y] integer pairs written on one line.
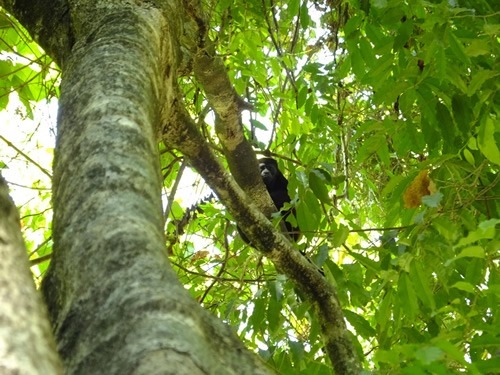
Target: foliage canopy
[[384, 117]]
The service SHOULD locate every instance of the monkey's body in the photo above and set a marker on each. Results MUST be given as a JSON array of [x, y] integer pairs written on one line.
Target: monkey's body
[[277, 187], [276, 183]]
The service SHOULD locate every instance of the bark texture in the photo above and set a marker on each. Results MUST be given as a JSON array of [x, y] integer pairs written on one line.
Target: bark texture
[[115, 304], [27, 345], [183, 133], [48, 21]]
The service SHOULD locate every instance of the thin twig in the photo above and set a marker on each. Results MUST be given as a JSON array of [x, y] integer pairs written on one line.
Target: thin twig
[[26, 156]]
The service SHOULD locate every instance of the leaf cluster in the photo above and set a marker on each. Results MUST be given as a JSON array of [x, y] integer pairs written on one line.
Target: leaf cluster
[[355, 102], [354, 99]]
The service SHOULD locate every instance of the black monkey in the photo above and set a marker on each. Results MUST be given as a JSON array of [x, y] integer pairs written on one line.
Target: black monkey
[[276, 185]]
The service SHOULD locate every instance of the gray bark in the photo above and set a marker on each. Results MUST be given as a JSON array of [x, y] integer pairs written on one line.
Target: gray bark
[[26, 343], [115, 303], [182, 132]]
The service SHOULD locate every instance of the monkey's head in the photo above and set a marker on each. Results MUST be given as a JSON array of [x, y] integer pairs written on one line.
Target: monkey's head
[[271, 175], [268, 170]]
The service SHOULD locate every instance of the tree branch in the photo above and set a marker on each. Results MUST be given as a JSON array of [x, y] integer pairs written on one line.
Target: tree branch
[[181, 132]]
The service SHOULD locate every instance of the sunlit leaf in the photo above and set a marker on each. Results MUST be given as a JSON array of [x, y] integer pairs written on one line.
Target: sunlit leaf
[[340, 236], [462, 285], [472, 251], [317, 184], [486, 230], [361, 325], [371, 105], [432, 200], [429, 354], [487, 140], [478, 79]]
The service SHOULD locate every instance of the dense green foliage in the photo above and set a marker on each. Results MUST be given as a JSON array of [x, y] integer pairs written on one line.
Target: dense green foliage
[[357, 101]]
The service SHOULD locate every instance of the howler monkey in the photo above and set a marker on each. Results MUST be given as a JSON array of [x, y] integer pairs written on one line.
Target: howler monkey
[[276, 185]]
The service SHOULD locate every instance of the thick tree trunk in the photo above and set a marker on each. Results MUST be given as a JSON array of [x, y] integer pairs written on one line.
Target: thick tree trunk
[[26, 342], [115, 303]]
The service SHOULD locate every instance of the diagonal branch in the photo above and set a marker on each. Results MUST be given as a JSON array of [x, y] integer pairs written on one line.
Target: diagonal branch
[[181, 132], [211, 74]]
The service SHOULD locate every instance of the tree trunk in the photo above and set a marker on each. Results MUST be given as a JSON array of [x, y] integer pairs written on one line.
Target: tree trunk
[[115, 303], [27, 345]]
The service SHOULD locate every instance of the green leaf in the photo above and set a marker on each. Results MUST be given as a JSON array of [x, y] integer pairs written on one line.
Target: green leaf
[[373, 144], [492, 29], [293, 6], [308, 213], [428, 355], [305, 19], [489, 366], [462, 113], [407, 100], [487, 142], [176, 210], [352, 25], [5, 22], [447, 228], [257, 319], [6, 68], [337, 180], [297, 349], [322, 255], [456, 47], [367, 52], [489, 226], [421, 283], [357, 63], [367, 262], [276, 290], [380, 4], [5, 88], [380, 70], [478, 47], [302, 96], [360, 324], [403, 34], [432, 200], [340, 236], [383, 313], [407, 296], [472, 251], [317, 183], [428, 121], [462, 285], [486, 230], [258, 125], [478, 79], [274, 314], [447, 127], [468, 252]]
